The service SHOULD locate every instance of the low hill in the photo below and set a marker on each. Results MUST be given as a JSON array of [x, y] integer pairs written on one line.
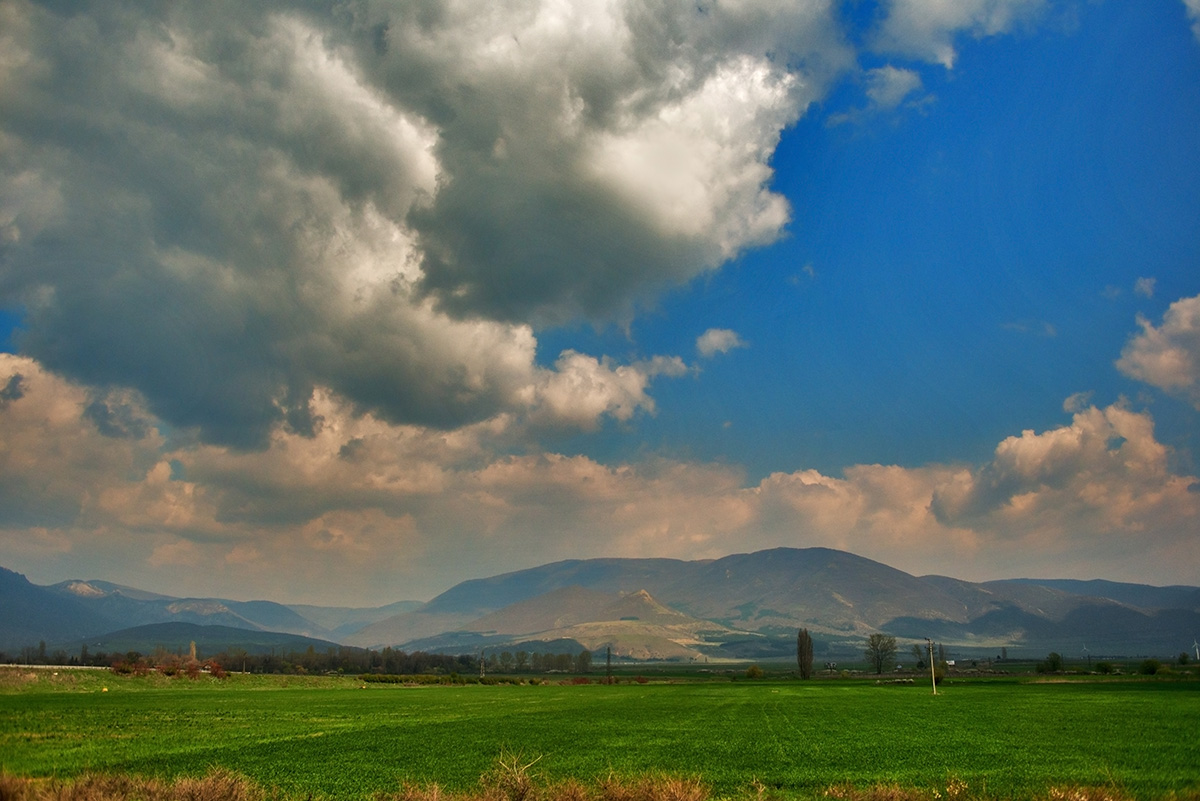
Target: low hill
[[177, 637]]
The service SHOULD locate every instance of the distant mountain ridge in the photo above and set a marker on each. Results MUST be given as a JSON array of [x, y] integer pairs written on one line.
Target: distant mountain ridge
[[743, 605], [74, 611], [754, 602], [129, 607], [30, 614]]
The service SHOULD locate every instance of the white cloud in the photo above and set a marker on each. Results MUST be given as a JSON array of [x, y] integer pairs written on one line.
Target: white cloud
[[718, 340], [1168, 357], [582, 389], [1093, 498], [888, 86], [1193, 11], [1145, 287], [699, 167], [926, 29]]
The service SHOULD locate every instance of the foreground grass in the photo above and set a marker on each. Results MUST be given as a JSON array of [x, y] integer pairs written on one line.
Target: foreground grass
[[332, 738], [502, 784]]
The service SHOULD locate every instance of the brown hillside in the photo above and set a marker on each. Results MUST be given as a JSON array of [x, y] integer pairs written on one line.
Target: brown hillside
[[553, 610]]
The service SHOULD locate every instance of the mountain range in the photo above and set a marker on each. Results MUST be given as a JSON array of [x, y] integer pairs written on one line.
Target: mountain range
[[739, 606]]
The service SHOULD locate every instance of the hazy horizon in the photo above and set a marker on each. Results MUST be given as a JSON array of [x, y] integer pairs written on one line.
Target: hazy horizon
[[244, 597]]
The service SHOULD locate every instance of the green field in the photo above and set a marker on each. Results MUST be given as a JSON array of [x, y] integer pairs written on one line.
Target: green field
[[331, 737]]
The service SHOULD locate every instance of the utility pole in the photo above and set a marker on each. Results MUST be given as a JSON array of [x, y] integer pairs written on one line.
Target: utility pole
[[608, 664], [932, 673], [482, 652]]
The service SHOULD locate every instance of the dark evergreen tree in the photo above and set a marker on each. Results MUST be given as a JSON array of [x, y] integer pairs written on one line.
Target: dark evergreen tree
[[804, 653]]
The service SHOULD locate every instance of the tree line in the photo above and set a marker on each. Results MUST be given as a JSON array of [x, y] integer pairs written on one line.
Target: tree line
[[343, 659]]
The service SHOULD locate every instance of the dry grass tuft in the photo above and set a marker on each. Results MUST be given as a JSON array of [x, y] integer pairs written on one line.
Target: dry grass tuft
[[219, 785], [509, 780], [653, 788], [876, 792]]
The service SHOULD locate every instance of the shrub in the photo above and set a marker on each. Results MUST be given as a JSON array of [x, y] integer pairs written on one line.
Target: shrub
[[1104, 668], [137, 667], [754, 672], [1052, 664], [511, 776], [1149, 667]]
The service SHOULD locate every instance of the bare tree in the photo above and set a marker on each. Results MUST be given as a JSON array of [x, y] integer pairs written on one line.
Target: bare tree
[[918, 656], [880, 651], [804, 653]]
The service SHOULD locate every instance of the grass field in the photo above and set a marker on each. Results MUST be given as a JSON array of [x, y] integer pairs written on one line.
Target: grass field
[[331, 737]]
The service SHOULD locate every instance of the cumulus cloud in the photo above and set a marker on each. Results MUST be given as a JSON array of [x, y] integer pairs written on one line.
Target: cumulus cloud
[[55, 458], [888, 86], [1144, 287], [926, 29], [581, 390], [231, 212], [718, 340], [367, 507], [1091, 498], [1105, 471], [1168, 356]]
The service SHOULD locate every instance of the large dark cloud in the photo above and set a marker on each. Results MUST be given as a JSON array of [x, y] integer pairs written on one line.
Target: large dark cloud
[[226, 206]]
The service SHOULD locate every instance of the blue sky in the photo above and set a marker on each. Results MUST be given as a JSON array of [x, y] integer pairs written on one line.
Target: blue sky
[[348, 305], [974, 259]]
